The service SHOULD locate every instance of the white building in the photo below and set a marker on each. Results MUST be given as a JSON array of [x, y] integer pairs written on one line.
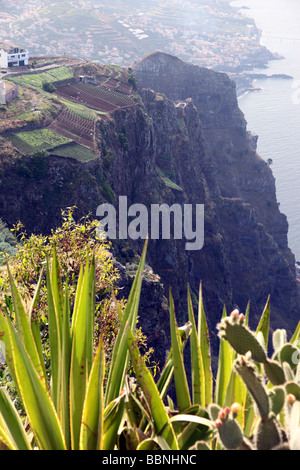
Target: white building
[[12, 55]]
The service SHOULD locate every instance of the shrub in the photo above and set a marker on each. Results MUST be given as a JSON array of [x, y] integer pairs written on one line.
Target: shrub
[[39, 162], [49, 87], [73, 242], [7, 241], [131, 79]]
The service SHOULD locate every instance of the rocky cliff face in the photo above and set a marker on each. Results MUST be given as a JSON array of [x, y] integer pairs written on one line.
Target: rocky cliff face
[[245, 254], [186, 141]]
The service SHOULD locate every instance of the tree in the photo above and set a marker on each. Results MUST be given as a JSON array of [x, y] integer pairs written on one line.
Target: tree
[[49, 87]]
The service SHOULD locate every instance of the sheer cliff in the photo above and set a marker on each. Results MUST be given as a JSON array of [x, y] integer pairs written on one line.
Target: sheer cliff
[[245, 254], [186, 142]]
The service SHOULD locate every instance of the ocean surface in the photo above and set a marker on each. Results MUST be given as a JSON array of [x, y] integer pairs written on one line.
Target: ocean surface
[[274, 112]]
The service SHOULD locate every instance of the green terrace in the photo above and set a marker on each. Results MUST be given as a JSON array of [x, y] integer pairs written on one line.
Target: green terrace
[[47, 140], [37, 140], [37, 80]]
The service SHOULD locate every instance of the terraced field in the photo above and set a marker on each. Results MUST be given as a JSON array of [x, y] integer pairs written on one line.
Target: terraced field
[[75, 151], [97, 97], [40, 139], [76, 126], [36, 80]]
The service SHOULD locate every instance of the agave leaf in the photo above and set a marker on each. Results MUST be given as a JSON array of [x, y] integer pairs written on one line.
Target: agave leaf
[[4, 337], [5, 438], [13, 423], [236, 392], [264, 323], [203, 335], [54, 343], [198, 379], [91, 434], [153, 443], [57, 291], [166, 376], [247, 313], [185, 418], [24, 327], [152, 396], [113, 416], [225, 362], [34, 324], [36, 400], [90, 315], [168, 369], [64, 409], [78, 366], [229, 391], [295, 337], [77, 297], [119, 361], [181, 385], [193, 432], [36, 296], [240, 396]]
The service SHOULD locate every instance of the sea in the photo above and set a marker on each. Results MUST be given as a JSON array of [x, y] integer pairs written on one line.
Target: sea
[[273, 113]]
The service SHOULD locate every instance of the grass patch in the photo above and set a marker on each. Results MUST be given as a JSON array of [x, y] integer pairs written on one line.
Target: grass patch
[[22, 146], [80, 109], [37, 140], [76, 151], [167, 180], [38, 79]]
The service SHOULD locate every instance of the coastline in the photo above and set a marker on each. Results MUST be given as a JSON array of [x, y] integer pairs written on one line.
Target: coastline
[[273, 114], [245, 80]]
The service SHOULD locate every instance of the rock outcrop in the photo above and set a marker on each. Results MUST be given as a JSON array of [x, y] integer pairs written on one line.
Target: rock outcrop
[[186, 142]]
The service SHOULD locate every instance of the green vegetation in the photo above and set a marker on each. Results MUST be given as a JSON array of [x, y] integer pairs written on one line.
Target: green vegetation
[[37, 80], [29, 142], [89, 406], [131, 78], [7, 241], [49, 87], [76, 151], [80, 109], [167, 180], [122, 138]]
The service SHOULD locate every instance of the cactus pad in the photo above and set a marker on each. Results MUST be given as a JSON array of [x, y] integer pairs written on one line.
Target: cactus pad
[[230, 434], [275, 372], [268, 435], [241, 338], [253, 382]]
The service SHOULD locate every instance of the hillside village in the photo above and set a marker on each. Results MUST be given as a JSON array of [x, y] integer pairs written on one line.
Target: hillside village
[[54, 105], [207, 32]]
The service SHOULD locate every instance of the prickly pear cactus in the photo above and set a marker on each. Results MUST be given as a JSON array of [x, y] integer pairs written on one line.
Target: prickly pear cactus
[[234, 330], [229, 431], [273, 384]]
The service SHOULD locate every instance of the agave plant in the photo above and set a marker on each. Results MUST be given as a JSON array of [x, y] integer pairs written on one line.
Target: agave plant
[[68, 409], [71, 408]]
